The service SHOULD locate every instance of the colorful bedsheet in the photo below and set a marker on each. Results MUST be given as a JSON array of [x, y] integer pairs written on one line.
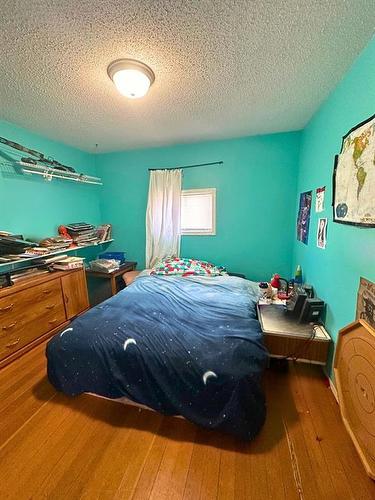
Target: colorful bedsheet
[[180, 266]]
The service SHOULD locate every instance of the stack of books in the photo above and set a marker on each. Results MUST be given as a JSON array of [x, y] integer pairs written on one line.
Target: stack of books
[[50, 259], [14, 244], [36, 251], [104, 265], [24, 274], [5, 233], [55, 243], [104, 232], [82, 233], [67, 263]]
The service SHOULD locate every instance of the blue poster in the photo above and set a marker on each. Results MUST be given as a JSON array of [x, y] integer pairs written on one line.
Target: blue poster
[[303, 220]]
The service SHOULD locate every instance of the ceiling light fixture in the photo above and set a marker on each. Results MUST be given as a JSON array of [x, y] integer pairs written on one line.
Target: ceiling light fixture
[[132, 78]]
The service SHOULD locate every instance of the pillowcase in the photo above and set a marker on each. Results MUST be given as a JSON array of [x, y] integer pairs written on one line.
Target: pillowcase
[[176, 266]]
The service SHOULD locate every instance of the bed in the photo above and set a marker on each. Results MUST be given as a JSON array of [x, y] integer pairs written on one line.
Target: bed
[[188, 346]]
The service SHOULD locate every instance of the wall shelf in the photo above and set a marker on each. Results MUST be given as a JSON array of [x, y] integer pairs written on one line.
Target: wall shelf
[[32, 162], [49, 173], [11, 266]]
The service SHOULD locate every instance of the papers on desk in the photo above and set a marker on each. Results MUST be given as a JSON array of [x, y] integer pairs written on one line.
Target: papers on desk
[[276, 302], [104, 265]]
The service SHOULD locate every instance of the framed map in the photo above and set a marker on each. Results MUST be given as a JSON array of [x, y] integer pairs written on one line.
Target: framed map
[[354, 177]]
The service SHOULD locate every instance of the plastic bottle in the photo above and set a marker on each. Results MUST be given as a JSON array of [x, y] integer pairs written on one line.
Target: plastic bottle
[[298, 275]]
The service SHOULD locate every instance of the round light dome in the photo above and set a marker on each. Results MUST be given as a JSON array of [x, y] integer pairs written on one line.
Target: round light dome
[[132, 78]]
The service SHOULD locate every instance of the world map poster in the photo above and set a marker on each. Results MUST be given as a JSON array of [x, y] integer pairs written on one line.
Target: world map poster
[[354, 177]]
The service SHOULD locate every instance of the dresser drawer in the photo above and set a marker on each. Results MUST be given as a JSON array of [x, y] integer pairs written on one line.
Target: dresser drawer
[[28, 314], [32, 310], [26, 302], [25, 329]]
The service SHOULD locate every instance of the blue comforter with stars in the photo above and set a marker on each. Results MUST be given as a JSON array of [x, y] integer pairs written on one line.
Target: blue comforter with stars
[[182, 346]]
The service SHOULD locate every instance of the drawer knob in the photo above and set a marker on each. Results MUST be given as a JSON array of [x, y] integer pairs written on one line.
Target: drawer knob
[[7, 308], [9, 327], [46, 292], [52, 321], [12, 344], [50, 306]]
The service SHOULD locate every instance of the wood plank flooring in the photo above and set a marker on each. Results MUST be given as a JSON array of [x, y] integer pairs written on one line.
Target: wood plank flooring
[[56, 447]]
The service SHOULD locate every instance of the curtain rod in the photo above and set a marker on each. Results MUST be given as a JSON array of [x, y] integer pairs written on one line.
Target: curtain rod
[[189, 166]]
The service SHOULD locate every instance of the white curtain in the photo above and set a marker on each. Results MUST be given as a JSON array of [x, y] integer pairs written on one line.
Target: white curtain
[[163, 215]]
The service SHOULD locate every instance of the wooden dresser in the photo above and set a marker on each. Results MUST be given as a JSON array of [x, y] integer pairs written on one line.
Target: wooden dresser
[[35, 309]]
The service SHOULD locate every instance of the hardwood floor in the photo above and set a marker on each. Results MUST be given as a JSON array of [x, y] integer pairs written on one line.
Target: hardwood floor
[[56, 447]]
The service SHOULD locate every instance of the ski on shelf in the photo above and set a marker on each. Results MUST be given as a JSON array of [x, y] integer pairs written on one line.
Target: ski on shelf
[[39, 164]]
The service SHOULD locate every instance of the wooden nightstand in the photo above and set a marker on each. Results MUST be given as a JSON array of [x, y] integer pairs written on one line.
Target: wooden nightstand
[[284, 336], [103, 285]]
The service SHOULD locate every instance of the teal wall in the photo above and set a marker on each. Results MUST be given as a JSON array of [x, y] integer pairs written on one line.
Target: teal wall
[[256, 190], [350, 251], [34, 207]]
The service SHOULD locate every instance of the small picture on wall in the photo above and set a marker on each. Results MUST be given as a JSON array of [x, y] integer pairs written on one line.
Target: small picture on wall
[[366, 301], [303, 220], [321, 235], [319, 201]]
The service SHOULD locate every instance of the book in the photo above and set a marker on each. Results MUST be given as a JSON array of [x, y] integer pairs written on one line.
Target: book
[[67, 267], [104, 232], [50, 260], [21, 275], [68, 263]]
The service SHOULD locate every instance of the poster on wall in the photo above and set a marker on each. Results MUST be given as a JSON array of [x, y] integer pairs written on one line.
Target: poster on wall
[[354, 177], [321, 234], [303, 220], [366, 301], [319, 200]]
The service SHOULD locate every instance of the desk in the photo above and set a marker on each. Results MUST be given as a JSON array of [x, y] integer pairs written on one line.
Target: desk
[[284, 336], [99, 292]]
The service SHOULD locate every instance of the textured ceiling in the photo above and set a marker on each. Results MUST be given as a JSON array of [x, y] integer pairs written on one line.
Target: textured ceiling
[[223, 68]]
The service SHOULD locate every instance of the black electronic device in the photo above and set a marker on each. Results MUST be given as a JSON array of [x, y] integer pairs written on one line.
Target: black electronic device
[[312, 310], [296, 301], [14, 245], [5, 280], [303, 305], [308, 289]]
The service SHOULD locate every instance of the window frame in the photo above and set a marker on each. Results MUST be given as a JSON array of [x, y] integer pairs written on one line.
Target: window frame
[[203, 191]]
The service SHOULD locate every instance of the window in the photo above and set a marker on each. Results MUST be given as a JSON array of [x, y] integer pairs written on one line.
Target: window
[[198, 211]]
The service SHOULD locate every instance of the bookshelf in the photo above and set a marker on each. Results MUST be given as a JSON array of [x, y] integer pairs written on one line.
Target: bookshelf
[[11, 266]]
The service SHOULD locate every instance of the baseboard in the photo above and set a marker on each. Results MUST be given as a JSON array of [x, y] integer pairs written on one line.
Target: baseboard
[[333, 389]]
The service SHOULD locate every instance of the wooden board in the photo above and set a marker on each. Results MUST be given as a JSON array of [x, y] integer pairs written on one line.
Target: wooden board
[[355, 377]]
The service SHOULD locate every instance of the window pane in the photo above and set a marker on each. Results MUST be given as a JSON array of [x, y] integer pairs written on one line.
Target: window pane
[[197, 211]]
